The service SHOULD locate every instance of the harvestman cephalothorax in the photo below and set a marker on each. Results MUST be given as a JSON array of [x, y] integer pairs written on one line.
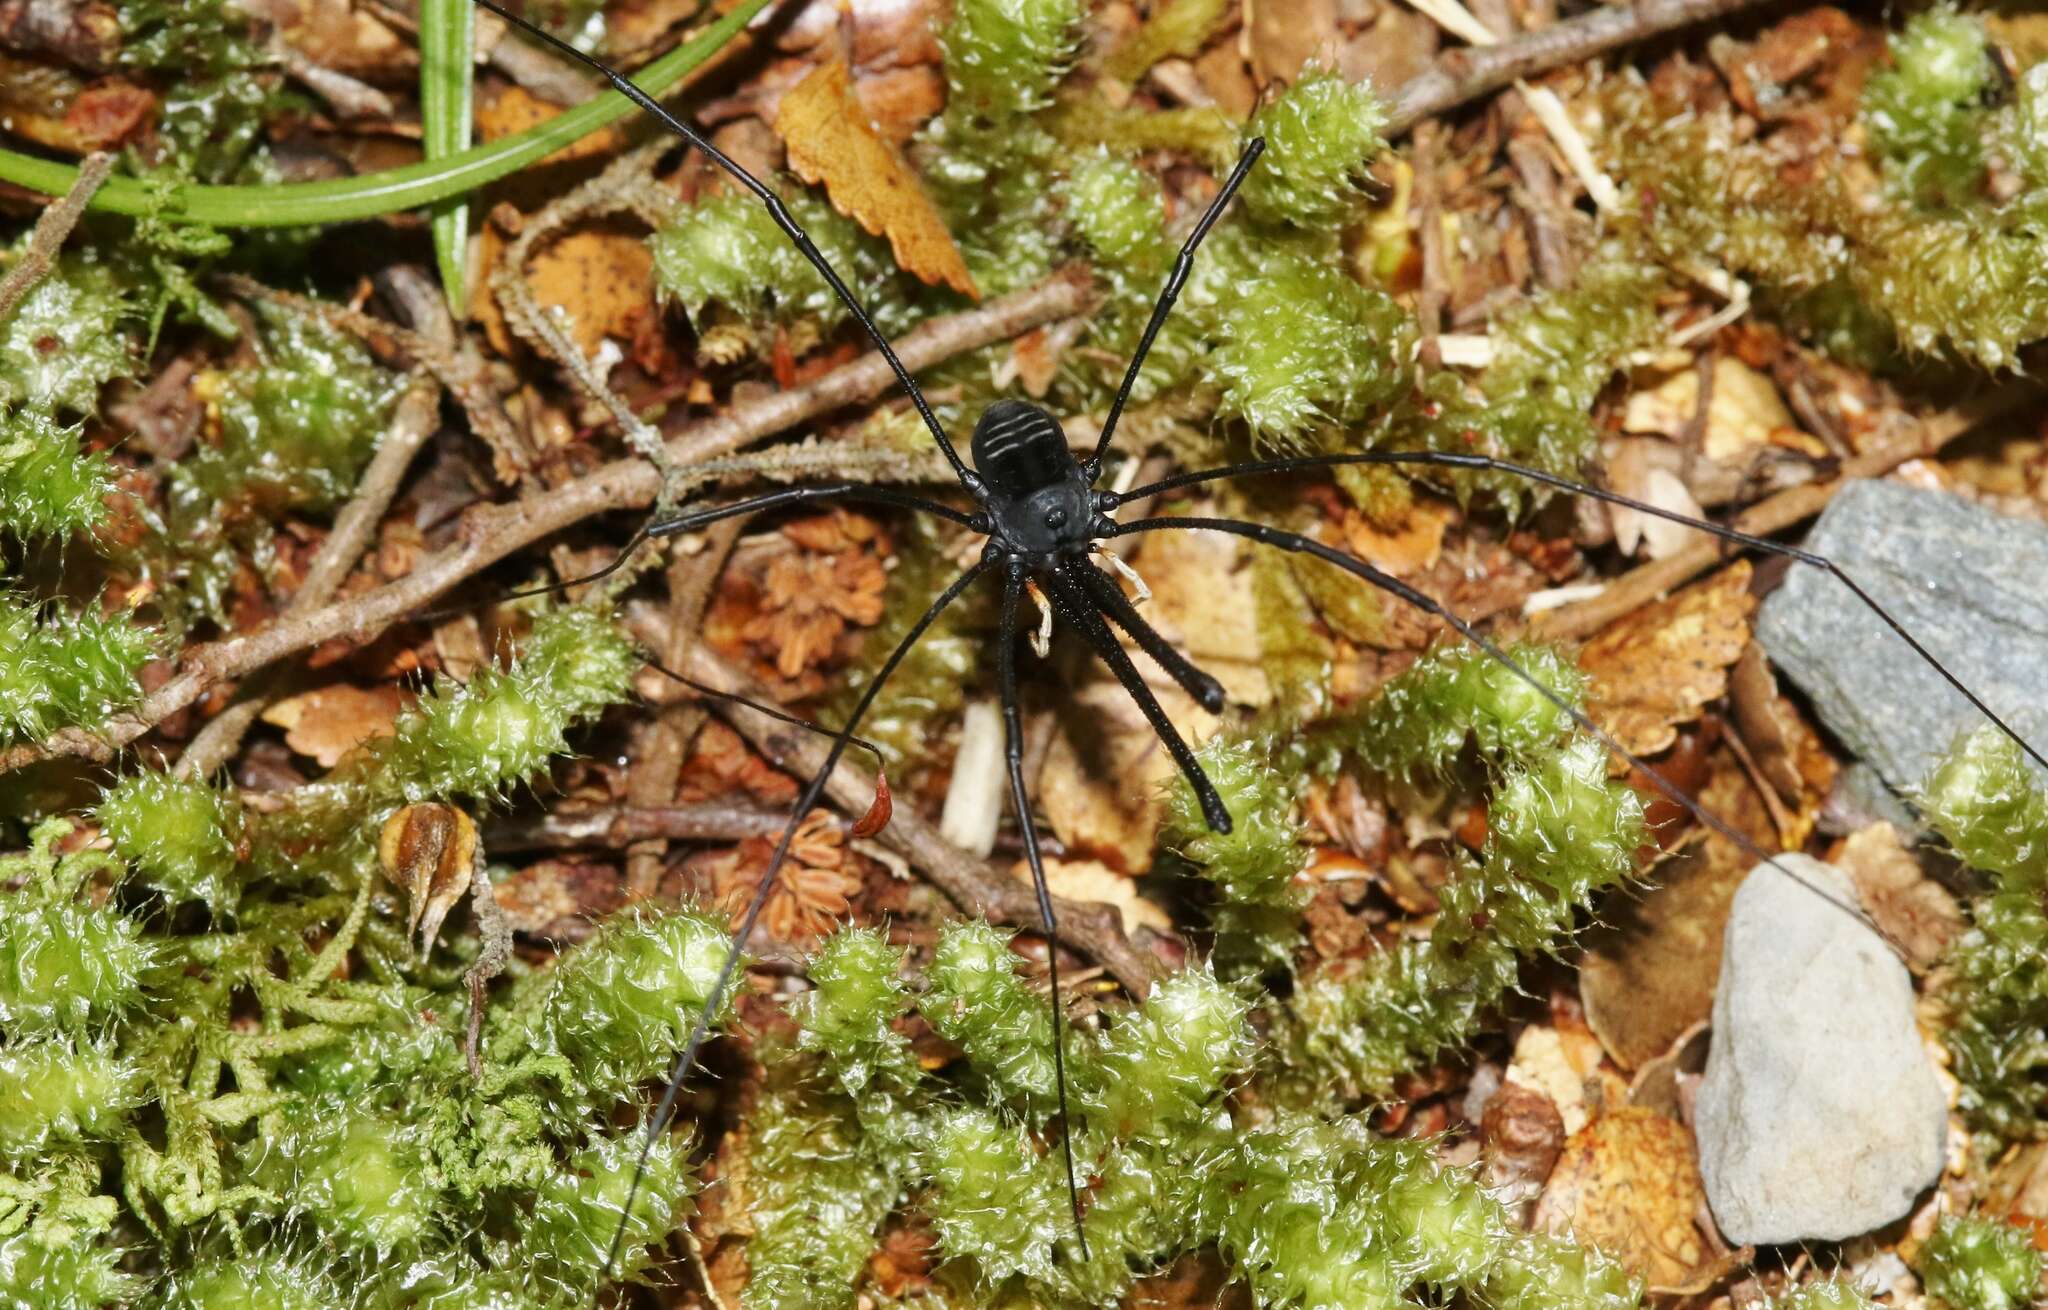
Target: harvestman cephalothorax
[[1044, 517]]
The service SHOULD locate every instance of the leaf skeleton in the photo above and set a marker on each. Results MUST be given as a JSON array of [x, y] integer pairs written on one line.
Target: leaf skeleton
[[1043, 516]]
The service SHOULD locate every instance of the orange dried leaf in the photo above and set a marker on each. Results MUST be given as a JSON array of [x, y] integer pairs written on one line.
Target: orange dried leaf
[[832, 140], [1629, 1184], [330, 722], [1657, 668]]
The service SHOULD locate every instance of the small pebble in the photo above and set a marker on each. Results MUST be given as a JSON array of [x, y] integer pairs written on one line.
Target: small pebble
[[1820, 1116]]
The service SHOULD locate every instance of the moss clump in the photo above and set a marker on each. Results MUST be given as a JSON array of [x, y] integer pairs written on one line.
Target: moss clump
[[622, 1005], [577, 1212], [503, 726], [1983, 800], [183, 836], [48, 486], [65, 671], [65, 963], [67, 339], [1975, 1264], [1925, 114], [1256, 867], [62, 1092], [1322, 133], [726, 249], [1003, 57]]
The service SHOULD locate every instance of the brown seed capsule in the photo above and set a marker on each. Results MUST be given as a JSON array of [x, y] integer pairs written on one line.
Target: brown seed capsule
[[430, 852]]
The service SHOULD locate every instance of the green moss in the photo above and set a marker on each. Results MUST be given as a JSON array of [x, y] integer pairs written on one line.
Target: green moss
[[1322, 133], [577, 1213], [244, 1283], [67, 339], [620, 1006], [65, 966], [976, 1001], [726, 249], [48, 486], [295, 430], [1987, 804], [357, 1174], [1003, 57], [82, 1274], [1256, 867], [60, 1092], [183, 837], [1925, 114], [1977, 1264], [65, 671], [503, 726], [1175, 29]]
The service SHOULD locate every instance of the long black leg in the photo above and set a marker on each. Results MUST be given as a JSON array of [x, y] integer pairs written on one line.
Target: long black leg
[[1183, 264], [812, 790], [776, 210], [695, 519], [1110, 598], [1487, 463], [1020, 797], [709, 692], [699, 518], [1294, 541], [1071, 605]]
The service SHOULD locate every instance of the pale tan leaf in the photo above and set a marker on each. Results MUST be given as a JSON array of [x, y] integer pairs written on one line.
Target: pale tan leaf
[[330, 722], [1656, 668]]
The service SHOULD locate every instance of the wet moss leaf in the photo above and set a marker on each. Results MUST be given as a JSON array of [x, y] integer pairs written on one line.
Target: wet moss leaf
[[1657, 668], [329, 722], [832, 140], [1629, 1184]]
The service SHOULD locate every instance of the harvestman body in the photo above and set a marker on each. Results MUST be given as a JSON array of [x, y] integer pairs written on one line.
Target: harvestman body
[[1043, 516]]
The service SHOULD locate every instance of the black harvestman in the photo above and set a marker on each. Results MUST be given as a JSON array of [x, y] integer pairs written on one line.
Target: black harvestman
[[1043, 516]]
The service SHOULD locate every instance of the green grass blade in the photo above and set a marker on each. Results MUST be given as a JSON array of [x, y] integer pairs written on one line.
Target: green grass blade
[[410, 187], [447, 75]]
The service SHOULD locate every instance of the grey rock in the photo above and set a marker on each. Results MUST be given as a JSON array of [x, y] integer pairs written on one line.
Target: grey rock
[[1820, 1116], [1970, 584]]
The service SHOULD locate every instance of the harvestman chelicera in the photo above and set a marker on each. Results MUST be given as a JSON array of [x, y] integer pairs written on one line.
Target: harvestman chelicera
[[1043, 517]]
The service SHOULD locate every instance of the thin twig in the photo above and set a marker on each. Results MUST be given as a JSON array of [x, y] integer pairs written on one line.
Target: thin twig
[[1651, 581], [491, 532], [612, 827], [972, 883], [417, 416], [1470, 72], [50, 231]]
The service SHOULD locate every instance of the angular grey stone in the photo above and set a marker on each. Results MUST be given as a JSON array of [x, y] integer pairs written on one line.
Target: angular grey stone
[[1970, 584], [1820, 1116]]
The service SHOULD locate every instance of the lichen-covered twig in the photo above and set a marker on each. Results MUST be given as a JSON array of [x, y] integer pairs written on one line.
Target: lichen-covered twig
[[490, 533], [50, 230]]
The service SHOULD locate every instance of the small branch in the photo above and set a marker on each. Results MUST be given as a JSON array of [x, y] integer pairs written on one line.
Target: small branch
[[1649, 582], [491, 532], [615, 827], [1468, 73], [51, 228], [972, 883]]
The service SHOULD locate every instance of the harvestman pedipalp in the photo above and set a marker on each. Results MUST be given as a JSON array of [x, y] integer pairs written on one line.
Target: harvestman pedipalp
[[1043, 517]]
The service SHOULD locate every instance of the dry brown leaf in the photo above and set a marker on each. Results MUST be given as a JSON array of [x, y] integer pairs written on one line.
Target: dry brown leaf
[[1629, 1184], [1656, 668], [516, 109], [1415, 545], [1916, 912], [1634, 470], [1649, 970], [332, 721], [832, 140], [602, 277], [1543, 1062]]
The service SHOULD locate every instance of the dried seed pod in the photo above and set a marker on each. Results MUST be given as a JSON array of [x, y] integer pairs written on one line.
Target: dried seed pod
[[430, 851]]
